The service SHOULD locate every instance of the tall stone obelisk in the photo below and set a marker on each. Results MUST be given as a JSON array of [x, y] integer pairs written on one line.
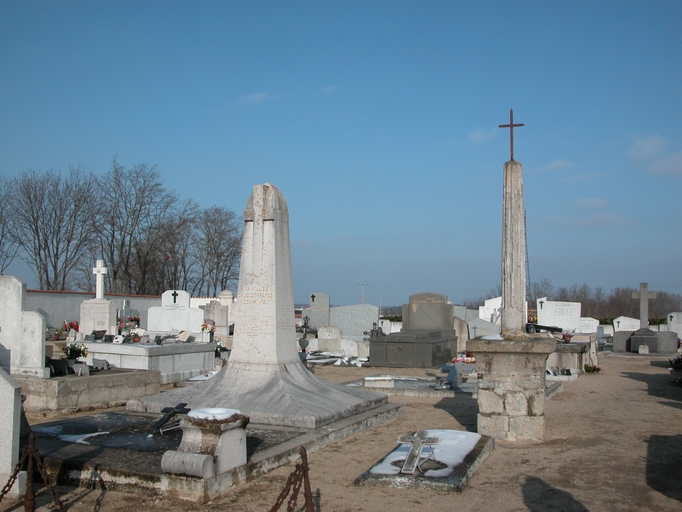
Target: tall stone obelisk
[[513, 242], [264, 377], [513, 249]]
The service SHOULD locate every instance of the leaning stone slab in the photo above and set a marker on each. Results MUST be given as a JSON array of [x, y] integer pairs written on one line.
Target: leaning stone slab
[[446, 466]]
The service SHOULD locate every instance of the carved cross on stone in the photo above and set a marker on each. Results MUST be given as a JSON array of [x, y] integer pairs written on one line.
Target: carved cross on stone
[[418, 441], [100, 271], [541, 303], [511, 126], [175, 296], [312, 298], [644, 296]]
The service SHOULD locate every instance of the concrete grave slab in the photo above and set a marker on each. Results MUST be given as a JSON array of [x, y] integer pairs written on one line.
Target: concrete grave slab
[[447, 465]]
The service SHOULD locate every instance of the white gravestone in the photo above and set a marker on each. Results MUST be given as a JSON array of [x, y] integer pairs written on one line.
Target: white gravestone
[[491, 310], [624, 323], [98, 314], [560, 314], [22, 333], [675, 322], [588, 324], [10, 421], [175, 314]]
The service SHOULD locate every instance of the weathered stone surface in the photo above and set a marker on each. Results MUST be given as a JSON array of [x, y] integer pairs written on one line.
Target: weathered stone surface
[[526, 428], [513, 249], [490, 402], [495, 426], [10, 405], [536, 403], [516, 404]]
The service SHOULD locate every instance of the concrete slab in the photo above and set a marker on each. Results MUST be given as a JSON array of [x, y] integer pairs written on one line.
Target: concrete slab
[[435, 473], [121, 456]]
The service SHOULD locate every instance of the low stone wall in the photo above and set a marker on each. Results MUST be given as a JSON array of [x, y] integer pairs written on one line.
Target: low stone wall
[[99, 390]]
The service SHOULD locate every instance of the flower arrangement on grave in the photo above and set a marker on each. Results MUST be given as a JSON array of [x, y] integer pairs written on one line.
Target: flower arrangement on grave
[[220, 347], [127, 323], [75, 350], [71, 325], [207, 328]]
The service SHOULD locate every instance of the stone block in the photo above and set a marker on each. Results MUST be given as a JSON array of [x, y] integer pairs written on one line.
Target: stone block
[[621, 341], [490, 402], [190, 464], [536, 403], [526, 428], [516, 404], [495, 425], [10, 420]]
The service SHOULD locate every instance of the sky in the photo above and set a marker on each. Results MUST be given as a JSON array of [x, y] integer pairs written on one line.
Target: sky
[[378, 121]]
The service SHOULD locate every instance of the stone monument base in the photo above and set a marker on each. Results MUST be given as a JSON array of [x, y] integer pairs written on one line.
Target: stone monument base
[[285, 394], [411, 350]]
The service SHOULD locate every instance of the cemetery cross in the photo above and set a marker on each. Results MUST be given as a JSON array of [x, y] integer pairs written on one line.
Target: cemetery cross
[[312, 298], [418, 441], [511, 126], [100, 271], [175, 296], [644, 296], [541, 303]]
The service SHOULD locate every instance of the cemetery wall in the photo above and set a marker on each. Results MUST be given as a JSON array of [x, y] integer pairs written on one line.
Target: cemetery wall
[[57, 307]]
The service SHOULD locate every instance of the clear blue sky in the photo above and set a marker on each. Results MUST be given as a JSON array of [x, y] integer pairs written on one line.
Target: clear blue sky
[[378, 122]]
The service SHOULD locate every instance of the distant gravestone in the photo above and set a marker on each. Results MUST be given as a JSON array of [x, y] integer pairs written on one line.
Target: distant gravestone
[[319, 310], [560, 314], [491, 311], [219, 314], [98, 314], [354, 320], [588, 324], [675, 322], [624, 323], [10, 421], [426, 339], [175, 314], [479, 327], [22, 333]]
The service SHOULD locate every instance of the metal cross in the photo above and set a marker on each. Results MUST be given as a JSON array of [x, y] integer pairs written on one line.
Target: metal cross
[[511, 126], [418, 441]]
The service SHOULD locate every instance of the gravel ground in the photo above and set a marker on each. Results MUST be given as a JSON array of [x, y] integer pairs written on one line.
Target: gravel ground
[[612, 442]]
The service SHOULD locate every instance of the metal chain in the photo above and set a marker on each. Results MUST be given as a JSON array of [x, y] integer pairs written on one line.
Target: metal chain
[[15, 474], [297, 477], [46, 479]]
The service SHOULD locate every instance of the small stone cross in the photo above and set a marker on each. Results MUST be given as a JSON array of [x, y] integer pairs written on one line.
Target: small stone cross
[[175, 296], [541, 303], [418, 441], [644, 296], [312, 298], [100, 271]]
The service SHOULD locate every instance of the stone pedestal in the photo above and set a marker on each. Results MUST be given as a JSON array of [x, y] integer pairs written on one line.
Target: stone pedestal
[[209, 447], [511, 387]]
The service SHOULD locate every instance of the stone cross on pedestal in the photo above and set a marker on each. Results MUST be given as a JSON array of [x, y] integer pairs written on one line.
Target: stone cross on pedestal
[[418, 441], [644, 295], [100, 271]]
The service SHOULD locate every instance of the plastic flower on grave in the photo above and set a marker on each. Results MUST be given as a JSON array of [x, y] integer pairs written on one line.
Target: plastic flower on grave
[[207, 328], [71, 325], [75, 350]]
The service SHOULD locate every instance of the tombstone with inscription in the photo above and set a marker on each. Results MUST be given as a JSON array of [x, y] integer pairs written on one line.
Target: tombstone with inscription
[[22, 333], [98, 314], [588, 324], [265, 378], [219, 314], [175, 314], [426, 339], [560, 314]]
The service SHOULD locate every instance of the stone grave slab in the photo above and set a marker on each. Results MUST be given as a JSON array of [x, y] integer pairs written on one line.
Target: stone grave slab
[[560, 314], [445, 465]]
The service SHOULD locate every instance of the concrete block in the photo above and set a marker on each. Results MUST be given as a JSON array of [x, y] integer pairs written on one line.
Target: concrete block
[[190, 464]]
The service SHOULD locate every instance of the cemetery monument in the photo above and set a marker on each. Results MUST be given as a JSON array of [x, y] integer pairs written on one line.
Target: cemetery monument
[[265, 378], [98, 314]]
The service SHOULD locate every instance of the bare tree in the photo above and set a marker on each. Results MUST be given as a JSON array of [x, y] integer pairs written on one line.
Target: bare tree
[[217, 240], [9, 244], [54, 222]]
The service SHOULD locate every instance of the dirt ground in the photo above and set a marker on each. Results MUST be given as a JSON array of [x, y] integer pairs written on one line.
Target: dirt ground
[[613, 442]]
